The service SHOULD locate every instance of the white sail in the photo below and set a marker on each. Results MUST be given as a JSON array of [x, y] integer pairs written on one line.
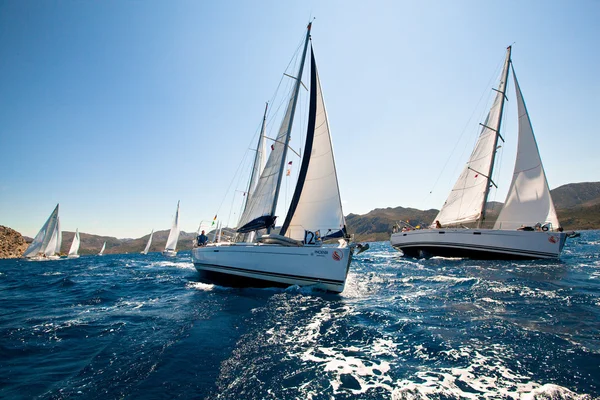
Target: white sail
[[259, 159], [319, 206], [149, 243], [466, 200], [528, 200], [53, 243], [260, 203], [102, 249], [58, 237], [75, 244], [174, 233], [43, 237]]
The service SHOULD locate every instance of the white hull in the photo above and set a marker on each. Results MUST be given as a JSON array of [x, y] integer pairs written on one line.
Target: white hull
[[73, 256], [325, 268], [169, 253], [479, 243]]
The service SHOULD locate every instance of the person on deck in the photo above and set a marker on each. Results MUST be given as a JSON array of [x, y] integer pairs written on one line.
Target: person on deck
[[437, 224], [202, 239]]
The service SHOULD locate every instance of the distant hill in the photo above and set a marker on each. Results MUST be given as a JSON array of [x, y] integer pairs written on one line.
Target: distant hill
[[577, 206], [12, 244], [582, 194]]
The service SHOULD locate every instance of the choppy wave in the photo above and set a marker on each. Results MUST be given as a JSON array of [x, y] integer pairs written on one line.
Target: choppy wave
[[135, 326]]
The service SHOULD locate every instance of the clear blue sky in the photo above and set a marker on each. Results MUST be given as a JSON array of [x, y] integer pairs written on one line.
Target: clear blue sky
[[117, 109]]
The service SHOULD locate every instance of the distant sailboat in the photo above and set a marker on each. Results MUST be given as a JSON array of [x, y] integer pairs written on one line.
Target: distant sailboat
[[47, 240], [171, 246], [145, 251], [102, 250], [527, 226], [74, 246]]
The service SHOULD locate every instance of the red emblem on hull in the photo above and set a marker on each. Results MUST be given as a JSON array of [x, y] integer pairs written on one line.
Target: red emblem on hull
[[552, 239], [337, 255]]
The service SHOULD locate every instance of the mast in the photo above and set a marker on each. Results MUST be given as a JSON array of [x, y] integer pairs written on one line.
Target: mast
[[258, 150], [502, 91], [290, 123]]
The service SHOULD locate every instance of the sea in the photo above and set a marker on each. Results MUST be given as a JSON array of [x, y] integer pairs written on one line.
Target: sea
[[131, 326]]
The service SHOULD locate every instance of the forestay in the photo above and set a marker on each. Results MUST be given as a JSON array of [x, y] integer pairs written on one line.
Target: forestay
[[466, 200], [528, 200], [260, 209], [316, 204]]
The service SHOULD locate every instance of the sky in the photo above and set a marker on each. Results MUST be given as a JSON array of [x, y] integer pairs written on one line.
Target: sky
[[117, 110]]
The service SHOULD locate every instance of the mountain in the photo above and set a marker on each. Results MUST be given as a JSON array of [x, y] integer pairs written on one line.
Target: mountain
[[12, 244], [584, 194], [577, 206]]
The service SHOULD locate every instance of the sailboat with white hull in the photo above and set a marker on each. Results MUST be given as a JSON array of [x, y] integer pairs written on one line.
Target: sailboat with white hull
[[296, 255], [527, 226], [171, 246], [47, 242]]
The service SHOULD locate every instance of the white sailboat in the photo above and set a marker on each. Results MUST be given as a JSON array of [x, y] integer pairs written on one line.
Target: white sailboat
[[73, 251], [171, 246], [145, 251], [102, 249], [527, 226], [47, 240], [294, 256]]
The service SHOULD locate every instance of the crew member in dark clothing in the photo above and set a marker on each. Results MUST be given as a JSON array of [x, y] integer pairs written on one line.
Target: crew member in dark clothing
[[202, 239]]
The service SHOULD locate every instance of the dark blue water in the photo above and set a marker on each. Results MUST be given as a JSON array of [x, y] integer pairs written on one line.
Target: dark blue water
[[143, 327]]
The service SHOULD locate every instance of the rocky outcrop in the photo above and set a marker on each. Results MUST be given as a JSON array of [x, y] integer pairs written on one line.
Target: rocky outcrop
[[12, 244]]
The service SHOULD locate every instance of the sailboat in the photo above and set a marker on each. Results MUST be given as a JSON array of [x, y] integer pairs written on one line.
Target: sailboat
[[102, 249], [296, 254], [47, 242], [74, 246], [171, 246], [145, 251], [527, 226]]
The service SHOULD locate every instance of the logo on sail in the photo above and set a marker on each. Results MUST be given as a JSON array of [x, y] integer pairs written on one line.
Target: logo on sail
[[337, 255]]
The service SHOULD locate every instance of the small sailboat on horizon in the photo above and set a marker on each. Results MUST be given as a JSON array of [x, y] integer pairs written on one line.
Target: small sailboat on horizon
[[171, 246], [527, 226], [102, 249], [47, 242], [73, 251], [147, 248]]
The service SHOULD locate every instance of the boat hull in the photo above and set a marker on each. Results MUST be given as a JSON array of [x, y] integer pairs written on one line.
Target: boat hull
[[169, 253], [258, 265], [479, 243], [73, 256]]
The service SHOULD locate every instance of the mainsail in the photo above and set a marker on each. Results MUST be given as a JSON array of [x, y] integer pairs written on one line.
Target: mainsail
[[44, 236], [149, 243], [467, 199], [75, 245], [316, 204], [528, 200], [174, 233], [260, 209]]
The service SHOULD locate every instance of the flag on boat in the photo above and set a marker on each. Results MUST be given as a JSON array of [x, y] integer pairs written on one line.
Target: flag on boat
[[289, 169], [272, 147], [214, 219]]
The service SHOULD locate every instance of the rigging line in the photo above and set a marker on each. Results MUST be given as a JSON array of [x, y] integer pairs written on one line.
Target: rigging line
[[237, 172], [450, 156]]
